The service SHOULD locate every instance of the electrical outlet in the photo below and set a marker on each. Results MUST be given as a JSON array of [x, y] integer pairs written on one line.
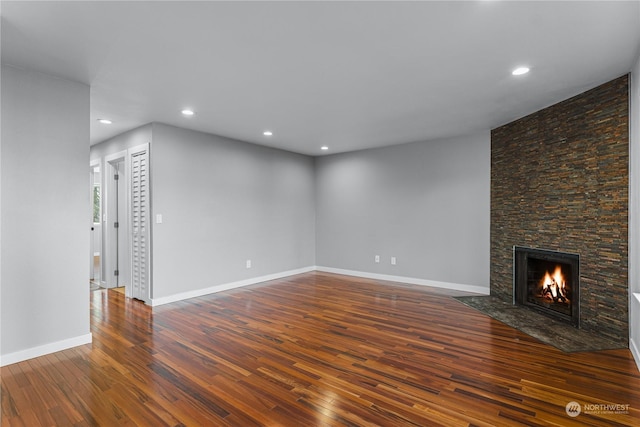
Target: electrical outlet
[[393, 260], [248, 263], [377, 258]]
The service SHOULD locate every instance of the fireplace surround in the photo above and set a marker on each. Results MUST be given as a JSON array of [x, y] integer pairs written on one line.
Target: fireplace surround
[[548, 281], [560, 180]]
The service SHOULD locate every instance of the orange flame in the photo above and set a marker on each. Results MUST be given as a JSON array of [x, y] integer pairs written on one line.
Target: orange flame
[[554, 286]]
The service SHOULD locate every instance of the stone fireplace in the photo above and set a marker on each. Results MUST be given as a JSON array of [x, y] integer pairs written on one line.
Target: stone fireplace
[[559, 182], [549, 282]]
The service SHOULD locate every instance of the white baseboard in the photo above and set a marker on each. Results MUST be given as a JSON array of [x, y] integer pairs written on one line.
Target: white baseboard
[[635, 352], [446, 285], [247, 282], [226, 286], [30, 353]]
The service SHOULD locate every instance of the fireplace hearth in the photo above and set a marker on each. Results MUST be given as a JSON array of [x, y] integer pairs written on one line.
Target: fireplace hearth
[[549, 282]]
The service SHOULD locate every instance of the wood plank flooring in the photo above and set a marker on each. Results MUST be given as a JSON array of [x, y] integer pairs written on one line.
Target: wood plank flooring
[[314, 350]]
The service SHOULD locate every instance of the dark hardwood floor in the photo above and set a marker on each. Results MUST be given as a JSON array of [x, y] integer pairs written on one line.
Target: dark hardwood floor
[[314, 350]]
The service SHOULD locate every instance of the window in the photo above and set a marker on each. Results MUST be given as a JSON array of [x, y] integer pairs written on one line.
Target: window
[[96, 203]]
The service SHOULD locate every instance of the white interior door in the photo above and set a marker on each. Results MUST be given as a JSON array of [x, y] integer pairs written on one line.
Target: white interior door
[[124, 277], [114, 203], [140, 222], [112, 222]]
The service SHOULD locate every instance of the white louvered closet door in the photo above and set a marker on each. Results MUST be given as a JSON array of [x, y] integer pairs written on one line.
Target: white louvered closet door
[[140, 218]]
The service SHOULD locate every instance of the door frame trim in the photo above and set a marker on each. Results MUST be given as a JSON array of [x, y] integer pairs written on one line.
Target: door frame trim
[[107, 217], [93, 164]]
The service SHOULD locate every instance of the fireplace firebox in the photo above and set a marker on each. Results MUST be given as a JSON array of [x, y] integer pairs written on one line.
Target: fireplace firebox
[[548, 281]]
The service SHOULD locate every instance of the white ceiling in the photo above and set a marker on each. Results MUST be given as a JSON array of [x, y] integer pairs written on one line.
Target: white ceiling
[[350, 75]]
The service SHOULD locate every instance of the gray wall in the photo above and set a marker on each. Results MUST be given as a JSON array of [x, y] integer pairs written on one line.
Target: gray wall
[[427, 204], [223, 202], [124, 141], [1, 223], [45, 216]]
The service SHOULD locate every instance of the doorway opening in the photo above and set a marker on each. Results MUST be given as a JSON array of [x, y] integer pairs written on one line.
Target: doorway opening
[[115, 265], [95, 250], [124, 222]]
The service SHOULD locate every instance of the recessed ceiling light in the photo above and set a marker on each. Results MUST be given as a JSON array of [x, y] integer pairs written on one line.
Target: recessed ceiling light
[[187, 112], [520, 71], [267, 133], [324, 147], [105, 121]]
